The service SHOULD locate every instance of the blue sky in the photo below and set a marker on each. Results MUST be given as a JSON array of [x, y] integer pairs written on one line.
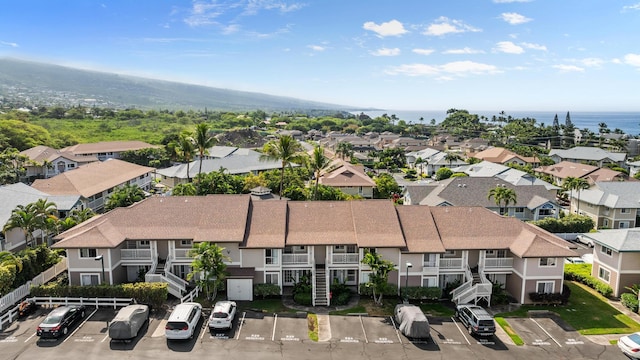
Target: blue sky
[[403, 55]]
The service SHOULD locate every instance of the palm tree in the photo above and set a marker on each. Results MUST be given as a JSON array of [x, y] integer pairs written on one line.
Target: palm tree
[[208, 263], [451, 157], [202, 142], [344, 150], [318, 163], [24, 219], [420, 161], [185, 150], [287, 150], [500, 195], [124, 196], [572, 183], [46, 216]]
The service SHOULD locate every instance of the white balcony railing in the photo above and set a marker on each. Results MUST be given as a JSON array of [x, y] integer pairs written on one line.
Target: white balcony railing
[[181, 254], [451, 263], [291, 259], [430, 264], [348, 258], [498, 263], [135, 254]]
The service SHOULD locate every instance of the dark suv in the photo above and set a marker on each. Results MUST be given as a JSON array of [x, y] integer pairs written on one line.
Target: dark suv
[[477, 320]]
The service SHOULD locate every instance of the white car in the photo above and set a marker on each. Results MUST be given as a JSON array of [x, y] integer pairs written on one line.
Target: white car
[[574, 260], [222, 315], [183, 321], [585, 240], [630, 345]]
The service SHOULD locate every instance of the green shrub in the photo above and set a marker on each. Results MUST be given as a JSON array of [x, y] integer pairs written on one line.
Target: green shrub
[[340, 294], [630, 301], [421, 293], [154, 294], [389, 290], [302, 298], [582, 274], [567, 224], [266, 290]]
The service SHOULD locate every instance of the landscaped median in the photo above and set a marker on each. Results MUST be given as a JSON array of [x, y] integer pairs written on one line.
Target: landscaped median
[[586, 311]]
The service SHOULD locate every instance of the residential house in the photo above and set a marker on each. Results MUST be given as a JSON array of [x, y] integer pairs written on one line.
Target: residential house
[[19, 194], [562, 170], [350, 179], [237, 162], [107, 149], [278, 242], [533, 202], [506, 173], [613, 205], [616, 255], [634, 168], [503, 156], [588, 155], [95, 182], [46, 162]]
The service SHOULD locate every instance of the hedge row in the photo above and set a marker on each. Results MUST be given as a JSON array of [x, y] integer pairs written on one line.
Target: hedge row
[[582, 273], [266, 290], [422, 293], [630, 301], [389, 290], [153, 294]]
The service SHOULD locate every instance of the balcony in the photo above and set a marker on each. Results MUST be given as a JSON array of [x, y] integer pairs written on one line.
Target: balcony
[[295, 259], [182, 254], [498, 263], [452, 264], [135, 254], [346, 258]]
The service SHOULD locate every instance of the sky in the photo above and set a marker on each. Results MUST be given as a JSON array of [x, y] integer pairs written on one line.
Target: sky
[[535, 55]]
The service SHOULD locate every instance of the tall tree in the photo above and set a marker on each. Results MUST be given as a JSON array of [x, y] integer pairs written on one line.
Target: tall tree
[[209, 267], [287, 150], [24, 219], [185, 150], [45, 213], [318, 164], [451, 157], [379, 276], [503, 195], [203, 141], [344, 150], [124, 196], [578, 184]]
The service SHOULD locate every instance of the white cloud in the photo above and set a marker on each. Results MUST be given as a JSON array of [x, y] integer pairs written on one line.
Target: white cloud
[[514, 18], [386, 52], [568, 68], [534, 46], [390, 28], [443, 25], [633, 7], [231, 29], [445, 71], [464, 50], [423, 51], [10, 44], [508, 47], [205, 13], [316, 48], [632, 59], [592, 62]]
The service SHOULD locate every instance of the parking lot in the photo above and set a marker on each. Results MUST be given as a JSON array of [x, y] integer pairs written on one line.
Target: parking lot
[[354, 336]]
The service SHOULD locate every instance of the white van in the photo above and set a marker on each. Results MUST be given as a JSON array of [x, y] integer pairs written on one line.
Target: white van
[[183, 321]]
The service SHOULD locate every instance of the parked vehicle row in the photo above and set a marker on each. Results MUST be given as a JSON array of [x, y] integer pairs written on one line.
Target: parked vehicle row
[[60, 320]]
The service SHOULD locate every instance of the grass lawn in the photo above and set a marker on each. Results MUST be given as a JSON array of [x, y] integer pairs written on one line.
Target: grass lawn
[[587, 311], [265, 305]]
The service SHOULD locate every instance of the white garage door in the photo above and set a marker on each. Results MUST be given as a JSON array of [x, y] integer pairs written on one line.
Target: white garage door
[[240, 289]]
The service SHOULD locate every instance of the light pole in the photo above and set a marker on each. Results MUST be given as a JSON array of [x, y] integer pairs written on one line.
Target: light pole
[[101, 258], [406, 283]]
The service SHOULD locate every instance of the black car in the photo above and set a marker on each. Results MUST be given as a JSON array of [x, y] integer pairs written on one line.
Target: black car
[[58, 322]]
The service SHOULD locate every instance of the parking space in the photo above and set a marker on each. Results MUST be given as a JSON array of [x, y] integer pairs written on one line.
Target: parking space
[[447, 331], [291, 328], [23, 329], [563, 334], [94, 328], [532, 333], [380, 330], [254, 326], [347, 329]]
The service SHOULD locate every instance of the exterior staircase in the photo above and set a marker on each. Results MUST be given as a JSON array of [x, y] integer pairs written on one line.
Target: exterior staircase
[[474, 288], [321, 298]]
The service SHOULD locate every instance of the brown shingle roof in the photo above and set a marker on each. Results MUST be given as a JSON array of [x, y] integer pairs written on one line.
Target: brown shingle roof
[[320, 223], [267, 225], [419, 230], [347, 175]]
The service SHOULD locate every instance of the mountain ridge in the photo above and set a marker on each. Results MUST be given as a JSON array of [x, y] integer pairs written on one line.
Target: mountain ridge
[[50, 84]]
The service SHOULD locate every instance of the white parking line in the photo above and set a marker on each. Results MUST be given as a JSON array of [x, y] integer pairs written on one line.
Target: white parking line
[[363, 330], [240, 325], [80, 325], [396, 329], [545, 331], [461, 332], [29, 338], [105, 338], [275, 320]]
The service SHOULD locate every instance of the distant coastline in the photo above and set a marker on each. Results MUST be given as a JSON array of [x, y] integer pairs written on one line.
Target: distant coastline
[[629, 122]]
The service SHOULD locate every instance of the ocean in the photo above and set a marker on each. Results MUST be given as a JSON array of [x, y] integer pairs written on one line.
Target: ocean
[[628, 122]]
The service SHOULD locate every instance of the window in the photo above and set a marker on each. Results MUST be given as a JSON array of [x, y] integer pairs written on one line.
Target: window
[[344, 276], [272, 278], [604, 274], [547, 262], [545, 287], [185, 242], [489, 252], [606, 223], [429, 281], [623, 224], [88, 253], [89, 279], [624, 211], [606, 250], [271, 257], [144, 243], [293, 276], [519, 210], [450, 253]]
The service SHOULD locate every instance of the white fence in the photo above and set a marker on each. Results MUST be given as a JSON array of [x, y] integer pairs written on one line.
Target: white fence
[[14, 297], [191, 296]]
